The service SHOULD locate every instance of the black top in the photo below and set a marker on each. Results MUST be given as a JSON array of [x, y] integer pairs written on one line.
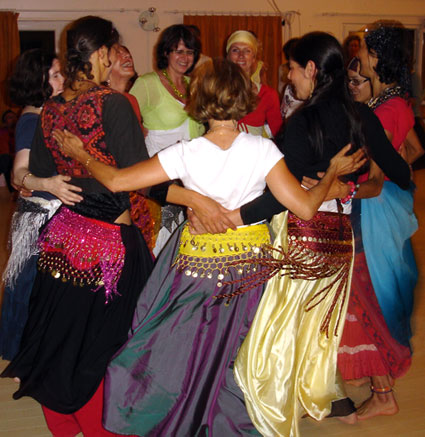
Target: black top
[[24, 134], [119, 134], [303, 160]]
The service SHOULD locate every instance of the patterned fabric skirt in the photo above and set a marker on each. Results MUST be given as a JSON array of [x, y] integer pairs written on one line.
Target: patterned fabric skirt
[[367, 347], [146, 215], [74, 324], [388, 222], [287, 365], [174, 376], [30, 215]]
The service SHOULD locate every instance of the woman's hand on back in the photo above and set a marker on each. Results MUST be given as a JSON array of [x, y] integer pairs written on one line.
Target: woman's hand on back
[[60, 187], [70, 144], [211, 215], [196, 227], [344, 164]]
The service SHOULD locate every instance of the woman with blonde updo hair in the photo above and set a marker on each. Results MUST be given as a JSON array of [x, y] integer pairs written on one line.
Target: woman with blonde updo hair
[[265, 119]]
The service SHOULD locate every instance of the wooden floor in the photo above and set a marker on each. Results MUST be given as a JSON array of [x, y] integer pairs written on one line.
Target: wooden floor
[[24, 418]]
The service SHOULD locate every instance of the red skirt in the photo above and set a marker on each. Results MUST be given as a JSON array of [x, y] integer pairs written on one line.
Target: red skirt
[[367, 347]]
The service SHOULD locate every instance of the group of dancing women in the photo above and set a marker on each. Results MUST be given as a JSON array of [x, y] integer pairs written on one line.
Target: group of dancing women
[[239, 327]]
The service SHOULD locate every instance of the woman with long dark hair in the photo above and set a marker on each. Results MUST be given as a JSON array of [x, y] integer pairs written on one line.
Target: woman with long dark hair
[[36, 78], [93, 263], [287, 365]]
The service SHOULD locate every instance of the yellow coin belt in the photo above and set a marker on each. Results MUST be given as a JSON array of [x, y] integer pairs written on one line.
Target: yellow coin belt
[[209, 256]]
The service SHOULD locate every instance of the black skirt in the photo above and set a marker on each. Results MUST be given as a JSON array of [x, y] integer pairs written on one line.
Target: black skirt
[[72, 334]]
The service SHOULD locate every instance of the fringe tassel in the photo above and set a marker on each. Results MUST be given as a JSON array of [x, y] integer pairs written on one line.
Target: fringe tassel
[[84, 250], [302, 263], [23, 236]]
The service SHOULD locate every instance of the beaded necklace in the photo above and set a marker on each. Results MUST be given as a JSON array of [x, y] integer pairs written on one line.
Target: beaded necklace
[[386, 95], [179, 94]]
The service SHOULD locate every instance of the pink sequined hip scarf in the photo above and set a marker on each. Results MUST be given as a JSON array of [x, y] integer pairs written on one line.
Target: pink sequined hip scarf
[[83, 250]]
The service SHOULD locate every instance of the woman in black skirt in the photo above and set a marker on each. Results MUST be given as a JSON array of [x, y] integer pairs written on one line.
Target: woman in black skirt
[[93, 262]]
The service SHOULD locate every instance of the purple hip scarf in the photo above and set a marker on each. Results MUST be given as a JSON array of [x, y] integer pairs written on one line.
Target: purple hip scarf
[[83, 250]]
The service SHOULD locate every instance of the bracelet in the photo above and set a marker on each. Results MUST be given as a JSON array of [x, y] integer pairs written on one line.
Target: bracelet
[[381, 391], [24, 179], [86, 165], [353, 191]]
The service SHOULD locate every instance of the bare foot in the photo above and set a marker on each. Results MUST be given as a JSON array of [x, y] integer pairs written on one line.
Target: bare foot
[[17, 380], [351, 419], [378, 404], [358, 382]]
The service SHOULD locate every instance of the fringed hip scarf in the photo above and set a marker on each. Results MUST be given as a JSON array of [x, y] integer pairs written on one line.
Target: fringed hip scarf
[[84, 250], [210, 256], [30, 215], [316, 249]]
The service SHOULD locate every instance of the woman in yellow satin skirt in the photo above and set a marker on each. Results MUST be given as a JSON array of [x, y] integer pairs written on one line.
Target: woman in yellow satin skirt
[[287, 365]]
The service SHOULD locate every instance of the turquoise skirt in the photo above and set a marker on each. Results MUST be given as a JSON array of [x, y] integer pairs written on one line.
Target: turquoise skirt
[[388, 222]]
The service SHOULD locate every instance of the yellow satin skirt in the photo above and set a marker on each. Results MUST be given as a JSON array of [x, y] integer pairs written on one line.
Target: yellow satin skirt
[[287, 365]]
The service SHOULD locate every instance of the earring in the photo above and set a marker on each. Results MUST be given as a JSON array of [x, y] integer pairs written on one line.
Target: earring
[[311, 89]]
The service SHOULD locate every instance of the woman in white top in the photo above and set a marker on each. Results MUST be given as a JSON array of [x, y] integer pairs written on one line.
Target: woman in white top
[[174, 375]]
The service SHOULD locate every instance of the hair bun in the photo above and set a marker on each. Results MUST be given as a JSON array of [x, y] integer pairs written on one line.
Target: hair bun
[[73, 55]]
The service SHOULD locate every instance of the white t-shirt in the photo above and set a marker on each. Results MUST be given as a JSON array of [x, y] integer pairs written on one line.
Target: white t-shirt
[[232, 177]]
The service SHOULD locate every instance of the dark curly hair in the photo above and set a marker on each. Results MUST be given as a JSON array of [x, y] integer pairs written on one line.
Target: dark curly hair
[[220, 90], [29, 83], [331, 83], [390, 45], [169, 40], [85, 36]]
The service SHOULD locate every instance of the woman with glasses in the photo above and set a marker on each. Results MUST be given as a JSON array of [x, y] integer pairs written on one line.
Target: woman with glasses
[[367, 347], [359, 85], [387, 222], [162, 95]]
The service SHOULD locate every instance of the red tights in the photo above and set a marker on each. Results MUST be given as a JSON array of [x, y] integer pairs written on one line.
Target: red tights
[[87, 419]]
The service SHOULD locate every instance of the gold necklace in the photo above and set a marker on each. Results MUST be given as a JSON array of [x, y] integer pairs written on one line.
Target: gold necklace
[[222, 126], [179, 94]]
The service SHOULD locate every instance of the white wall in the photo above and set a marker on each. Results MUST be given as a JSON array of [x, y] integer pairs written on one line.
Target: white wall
[[335, 16]]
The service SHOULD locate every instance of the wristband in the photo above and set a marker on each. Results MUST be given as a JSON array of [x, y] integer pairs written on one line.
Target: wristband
[[24, 179], [86, 165], [353, 191]]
